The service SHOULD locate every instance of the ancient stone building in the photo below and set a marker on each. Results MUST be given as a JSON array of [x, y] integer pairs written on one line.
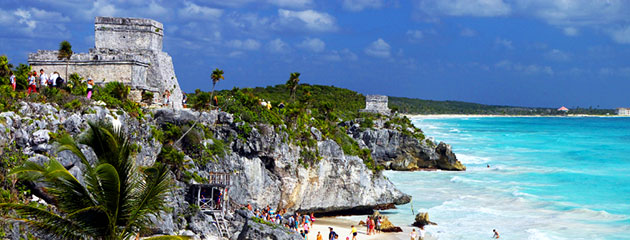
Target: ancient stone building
[[127, 50], [376, 104]]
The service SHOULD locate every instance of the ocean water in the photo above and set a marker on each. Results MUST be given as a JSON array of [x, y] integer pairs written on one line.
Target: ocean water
[[549, 178]]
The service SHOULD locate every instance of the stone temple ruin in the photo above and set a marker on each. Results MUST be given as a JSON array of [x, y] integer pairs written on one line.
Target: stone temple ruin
[[376, 104], [127, 50]]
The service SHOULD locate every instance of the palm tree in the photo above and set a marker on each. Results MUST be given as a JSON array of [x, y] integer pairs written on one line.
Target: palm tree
[[116, 200], [292, 83], [217, 75], [65, 52], [5, 66]]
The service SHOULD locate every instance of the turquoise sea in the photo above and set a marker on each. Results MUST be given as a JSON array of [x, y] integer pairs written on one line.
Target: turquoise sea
[[549, 178]]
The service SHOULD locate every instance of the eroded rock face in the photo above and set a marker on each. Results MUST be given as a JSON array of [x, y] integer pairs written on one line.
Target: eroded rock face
[[266, 168], [397, 151]]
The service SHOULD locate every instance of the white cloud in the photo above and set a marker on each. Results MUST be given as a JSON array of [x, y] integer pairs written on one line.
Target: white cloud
[[571, 31], [344, 54], [33, 22], [195, 11], [292, 3], [557, 55], [467, 32], [414, 35], [621, 35], [306, 20], [576, 12], [100, 8], [360, 5], [247, 44], [231, 3], [277, 46], [379, 48], [155, 9], [236, 54], [313, 44], [476, 8], [503, 43], [530, 69]]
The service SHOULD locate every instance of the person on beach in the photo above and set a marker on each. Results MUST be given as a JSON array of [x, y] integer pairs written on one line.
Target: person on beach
[[32, 85], [413, 234], [422, 233], [12, 80], [372, 226], [90, 87], [302, 233], [332, 235], [367, 225], [496, 234], [319, 236], [306, 228], [312, 219], [354, 232], [43, 78], [378, 224]]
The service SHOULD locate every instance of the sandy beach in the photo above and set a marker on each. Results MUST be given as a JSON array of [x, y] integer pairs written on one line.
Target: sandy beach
[[440, 116], [342, 227]]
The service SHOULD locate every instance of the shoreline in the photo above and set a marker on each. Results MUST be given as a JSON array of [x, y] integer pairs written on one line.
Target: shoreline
[[441, 116], [342, 227]]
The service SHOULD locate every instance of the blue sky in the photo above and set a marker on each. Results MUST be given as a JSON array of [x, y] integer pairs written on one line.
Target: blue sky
[[508, 52]]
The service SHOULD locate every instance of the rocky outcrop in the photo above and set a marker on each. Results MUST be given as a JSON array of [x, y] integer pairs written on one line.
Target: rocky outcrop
[[266, 167], [422, 219], [396, 150]]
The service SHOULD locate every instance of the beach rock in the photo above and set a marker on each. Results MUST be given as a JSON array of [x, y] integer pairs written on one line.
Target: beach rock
[[386, 225], [422, 219]]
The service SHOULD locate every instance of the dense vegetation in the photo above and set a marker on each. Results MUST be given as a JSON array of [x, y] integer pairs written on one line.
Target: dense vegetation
[[419, 106]]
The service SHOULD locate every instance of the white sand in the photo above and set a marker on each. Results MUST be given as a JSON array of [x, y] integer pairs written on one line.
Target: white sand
[[342, 228], [440, 116]]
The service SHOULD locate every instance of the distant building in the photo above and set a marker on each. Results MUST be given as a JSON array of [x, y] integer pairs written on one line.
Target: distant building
[[623, 111], [376, 104], [563, 109]]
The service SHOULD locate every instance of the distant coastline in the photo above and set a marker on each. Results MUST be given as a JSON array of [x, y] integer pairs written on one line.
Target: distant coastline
[[439, 116]]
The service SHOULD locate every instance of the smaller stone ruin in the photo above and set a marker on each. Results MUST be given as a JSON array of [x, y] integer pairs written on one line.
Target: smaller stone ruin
[[376, 104]]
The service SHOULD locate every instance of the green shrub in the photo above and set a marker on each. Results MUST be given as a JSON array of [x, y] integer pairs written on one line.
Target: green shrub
[[147, 97], [73, 105]]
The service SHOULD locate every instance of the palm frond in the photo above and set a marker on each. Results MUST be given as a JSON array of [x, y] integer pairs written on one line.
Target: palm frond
[[46, 222], [152, 198]]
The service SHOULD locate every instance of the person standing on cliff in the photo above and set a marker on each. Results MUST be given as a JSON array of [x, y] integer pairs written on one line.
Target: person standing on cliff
[[167, 98], [90, 86], [32, 85], [43, 78], [12, 80]]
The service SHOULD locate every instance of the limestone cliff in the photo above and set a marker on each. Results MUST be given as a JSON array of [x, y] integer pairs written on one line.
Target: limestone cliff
[[266, 167]]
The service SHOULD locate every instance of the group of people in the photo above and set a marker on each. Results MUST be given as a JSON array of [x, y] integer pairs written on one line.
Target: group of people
[[373, 225], [296, 222], [419, 235], [37, 82], [54, 80]]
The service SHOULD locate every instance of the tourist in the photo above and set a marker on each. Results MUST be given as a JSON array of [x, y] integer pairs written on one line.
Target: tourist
[[372, 226], [378, 224], [422, 233], [413, 234], [306, 228], [354, 232], [32, 84], [367, 225], [12, 80], [184, 99], [312, 219], [37, 87], [90, 87], [302, 233], [496, 234], [319, 236], [167, 98], [43, 78], [54, 78], [332, 235]]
